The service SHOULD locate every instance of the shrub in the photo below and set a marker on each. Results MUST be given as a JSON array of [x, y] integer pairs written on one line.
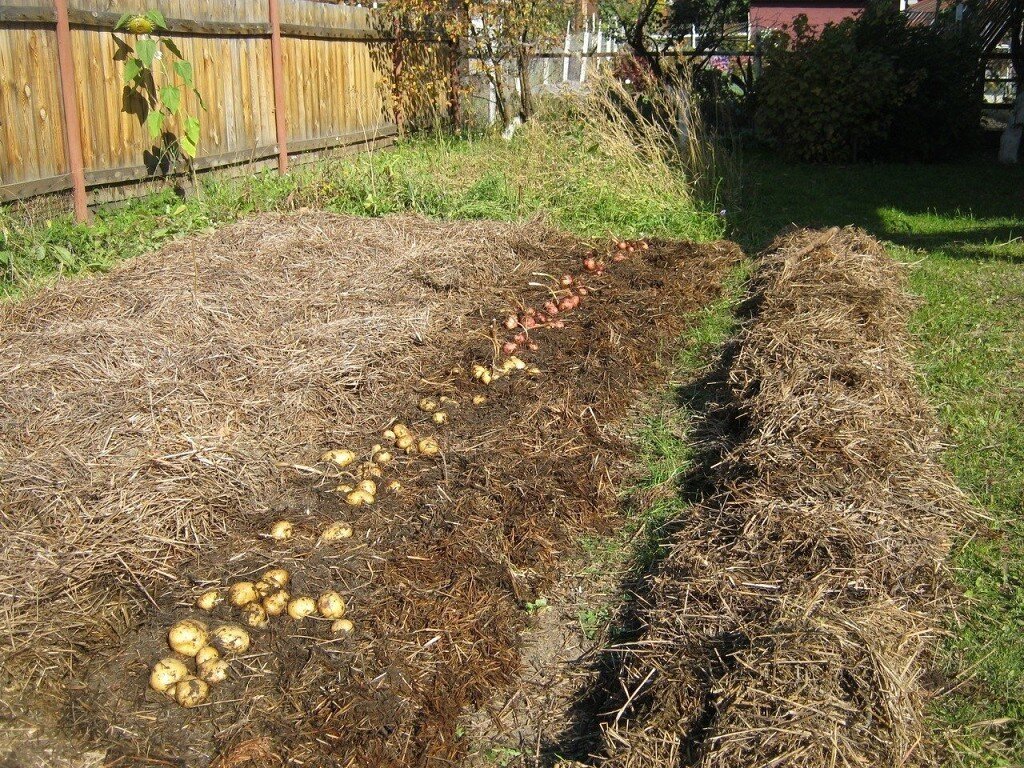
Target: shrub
[[871, 87]]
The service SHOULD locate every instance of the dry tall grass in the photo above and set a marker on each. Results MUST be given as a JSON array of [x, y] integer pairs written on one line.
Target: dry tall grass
[[658, 136], [792, 620]]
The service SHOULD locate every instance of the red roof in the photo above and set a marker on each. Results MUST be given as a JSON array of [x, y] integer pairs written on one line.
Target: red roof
[[777, 14]]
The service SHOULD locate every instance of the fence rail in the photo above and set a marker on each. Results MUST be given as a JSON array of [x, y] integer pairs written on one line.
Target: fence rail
[[334, 62]]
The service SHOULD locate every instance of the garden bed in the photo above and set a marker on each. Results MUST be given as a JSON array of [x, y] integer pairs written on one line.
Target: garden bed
[[793, 619], [158, 419]]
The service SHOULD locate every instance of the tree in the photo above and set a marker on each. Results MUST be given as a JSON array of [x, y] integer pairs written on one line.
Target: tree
[[655, 28], [502, 35]]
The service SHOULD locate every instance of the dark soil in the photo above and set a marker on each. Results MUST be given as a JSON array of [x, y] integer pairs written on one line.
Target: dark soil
[[437, 576]]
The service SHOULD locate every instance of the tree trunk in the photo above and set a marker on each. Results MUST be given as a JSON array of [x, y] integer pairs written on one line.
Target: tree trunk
[[525, 94], [1009, 143], [456, 76], [500, 103]]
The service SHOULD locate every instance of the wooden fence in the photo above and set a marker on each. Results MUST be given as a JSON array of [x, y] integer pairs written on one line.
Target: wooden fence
[[333, 61]]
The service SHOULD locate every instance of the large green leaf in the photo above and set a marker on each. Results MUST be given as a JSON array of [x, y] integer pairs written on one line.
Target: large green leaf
[[155, 121], [132, 68], [157, 18], [146, 48], [184, 70], [171, 46], [190, 137], [121, 21], [170, 97]]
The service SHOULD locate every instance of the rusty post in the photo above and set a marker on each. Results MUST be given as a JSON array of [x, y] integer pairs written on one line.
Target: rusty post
[[280, 106], [69, 101], [397, 64]]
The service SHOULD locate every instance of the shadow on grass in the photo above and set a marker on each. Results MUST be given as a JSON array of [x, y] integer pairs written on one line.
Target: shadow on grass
[[716, 429], [968, 210]]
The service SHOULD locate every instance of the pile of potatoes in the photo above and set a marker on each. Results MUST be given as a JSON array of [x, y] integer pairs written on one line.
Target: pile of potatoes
[[268, 597], [192, 640], [258, 602], [362, 491]]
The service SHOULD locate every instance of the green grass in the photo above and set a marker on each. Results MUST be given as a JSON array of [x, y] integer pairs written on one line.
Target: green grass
[[665, 452], [962, 225], [548, 171]]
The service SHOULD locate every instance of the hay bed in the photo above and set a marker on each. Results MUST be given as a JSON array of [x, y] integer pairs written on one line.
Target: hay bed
[[153, 421], [791, 621]]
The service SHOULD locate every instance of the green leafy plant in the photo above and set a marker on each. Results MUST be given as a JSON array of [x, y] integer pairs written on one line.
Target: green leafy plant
[[540, 605], [872, 87], [156, 78]]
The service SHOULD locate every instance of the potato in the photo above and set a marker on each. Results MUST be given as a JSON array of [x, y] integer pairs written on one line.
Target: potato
[[336, 531], [242, 593], [369, 470], [276, 603], [359, 498], [342, 627], [187, 636], [301, 607], [341, 457], [440, 417], [278, 576], [428, 405], [191, 692], [213, 671], [255, 616], [428, 446], [210, 599], [282, 530], [331, 605], [231, 638], [209, 653], [166, 673]]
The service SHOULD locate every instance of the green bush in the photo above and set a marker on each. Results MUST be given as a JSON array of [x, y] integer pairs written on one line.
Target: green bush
[[873, 87]]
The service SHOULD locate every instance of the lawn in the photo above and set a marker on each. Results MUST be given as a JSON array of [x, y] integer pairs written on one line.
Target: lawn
[[558, 173], [962, 227]]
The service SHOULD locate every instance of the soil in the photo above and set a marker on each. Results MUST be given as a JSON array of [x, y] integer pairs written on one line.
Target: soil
[[438, 576]]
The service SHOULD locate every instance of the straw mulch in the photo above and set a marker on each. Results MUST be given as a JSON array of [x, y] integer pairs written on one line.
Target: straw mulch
[[791, 620], [155, 420], [142, 413]]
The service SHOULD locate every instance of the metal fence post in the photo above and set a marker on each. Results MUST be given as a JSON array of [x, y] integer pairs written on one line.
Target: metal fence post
[[69, 101], [277, 67]]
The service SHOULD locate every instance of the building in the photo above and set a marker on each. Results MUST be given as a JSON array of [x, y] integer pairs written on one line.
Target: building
[[780, 14]]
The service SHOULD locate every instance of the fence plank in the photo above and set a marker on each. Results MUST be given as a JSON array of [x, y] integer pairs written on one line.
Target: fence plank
[[335, 61]]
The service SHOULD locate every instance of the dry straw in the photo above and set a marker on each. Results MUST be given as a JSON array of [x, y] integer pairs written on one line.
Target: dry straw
[[143, 415], [791, 621], [155, 420]]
